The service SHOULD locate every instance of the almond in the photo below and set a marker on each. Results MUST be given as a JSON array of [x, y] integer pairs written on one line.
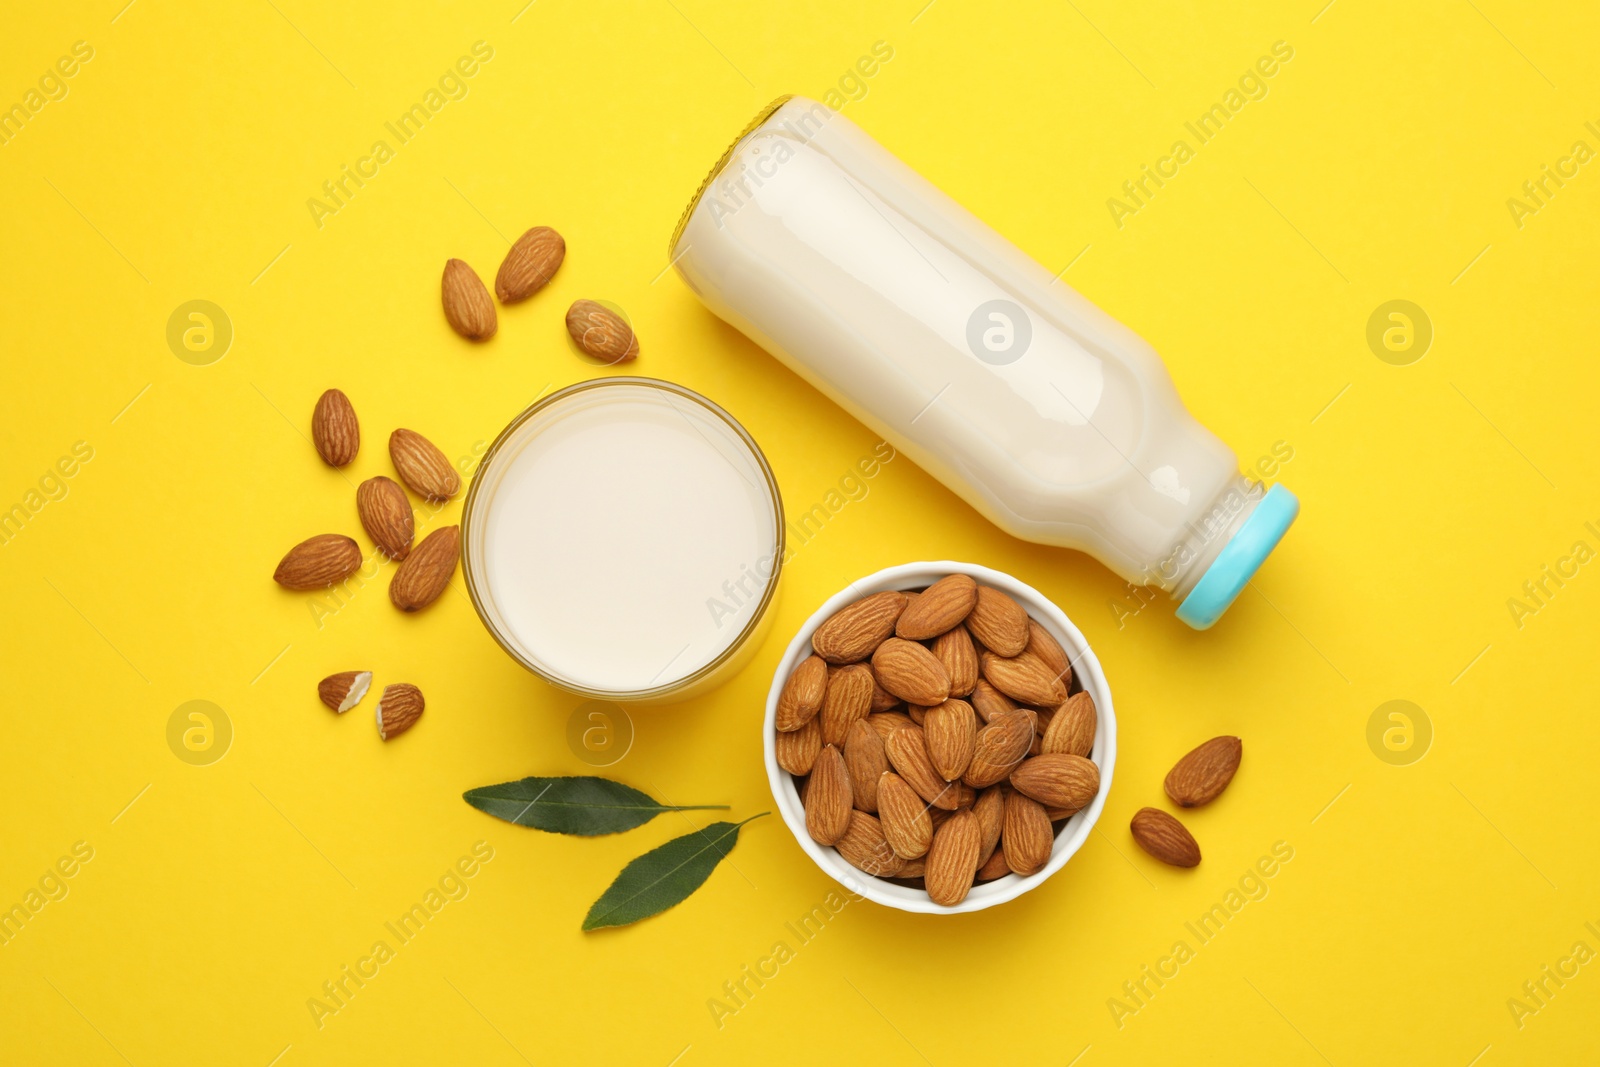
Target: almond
[[532, 262], [1059, 780], [422, 466], [318, 562], [916, 713], [1072, 727], [988, 701], [886, 721], [882, 699], [343, 691], [953, 859], [385, 514], [908, 755], [797, 750], [951, 733], [907, 824], [399, 708], [1000, 747], [953, 648], [427, 570], [1058, 814], [848, 699], [990, 810], [467, 306], [999, 622], [601, 333], [1165, 838], [994, 867], [913, 870], [334, 429], [940, 607], [827, 798], [1202, 775], [1027, 836], [1043, 646], [1024, 679], [866, 761], [911, 672], [852, 633], [801, 697], [863, 846]]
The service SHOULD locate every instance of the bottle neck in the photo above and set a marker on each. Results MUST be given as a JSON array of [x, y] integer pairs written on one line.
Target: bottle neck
[[1203, 538]]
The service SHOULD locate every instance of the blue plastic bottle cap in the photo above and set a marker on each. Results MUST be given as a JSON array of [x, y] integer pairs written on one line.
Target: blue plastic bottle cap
[[1239, 559]]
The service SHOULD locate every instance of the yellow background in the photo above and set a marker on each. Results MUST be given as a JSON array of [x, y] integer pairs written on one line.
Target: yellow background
[[221, 897]]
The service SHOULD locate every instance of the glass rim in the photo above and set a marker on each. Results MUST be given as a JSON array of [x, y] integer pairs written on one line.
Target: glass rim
[[770, 589]]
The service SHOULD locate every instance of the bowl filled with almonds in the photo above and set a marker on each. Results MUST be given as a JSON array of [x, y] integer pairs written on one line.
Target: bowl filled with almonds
[[939, 737]]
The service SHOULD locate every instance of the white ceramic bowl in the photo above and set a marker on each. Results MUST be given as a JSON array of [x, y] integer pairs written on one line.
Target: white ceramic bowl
[[1086, 671]]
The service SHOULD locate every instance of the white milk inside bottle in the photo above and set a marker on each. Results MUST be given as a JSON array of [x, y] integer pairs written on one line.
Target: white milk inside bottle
[[1055, 421]]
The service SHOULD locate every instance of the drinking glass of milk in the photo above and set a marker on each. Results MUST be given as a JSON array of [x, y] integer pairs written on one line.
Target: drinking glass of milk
[[623, 541], [1041, 411]]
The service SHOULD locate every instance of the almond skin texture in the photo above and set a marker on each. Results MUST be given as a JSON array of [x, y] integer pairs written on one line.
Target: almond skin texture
[[847, 701], [882, 699], [886, 722], [1024, 679], [938, 608], [853, 632], [1072, 727], [385, 514], [1202, 775], [828, 799], [1058, 780], [1026, 836], [988, 701], [1000, 747], [801, 696], [907, 825], [422, 466], [343, 691], [951, 733], [953, 648], [863, 846], [318, 562], [467, 306], [427, 571], [908, 755], [601, 333], [911, 672], [990, 810], [797, 750], [866, 761], [398, 710], [953, 859], [334, 429], [1045, 648], [531, 263], [1165, 838], [994, 867], [998, 622]]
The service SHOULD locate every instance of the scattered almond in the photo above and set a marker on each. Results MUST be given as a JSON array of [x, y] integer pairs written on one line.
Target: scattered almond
[[318, 562], [385, 514], [427, 570], [601, 333], [343, 691], [828, 797], [1202, 775], [422, 466], [852, 633], [334, 429], [531, 263], [940, 607], [467, 306], [398, 710], [1165, 838]]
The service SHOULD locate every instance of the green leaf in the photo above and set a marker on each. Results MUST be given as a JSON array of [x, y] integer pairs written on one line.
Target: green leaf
[[664, 876], [582, 805]]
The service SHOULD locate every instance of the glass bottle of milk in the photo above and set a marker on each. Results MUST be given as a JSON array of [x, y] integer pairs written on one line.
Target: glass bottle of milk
[[1055, 421]]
